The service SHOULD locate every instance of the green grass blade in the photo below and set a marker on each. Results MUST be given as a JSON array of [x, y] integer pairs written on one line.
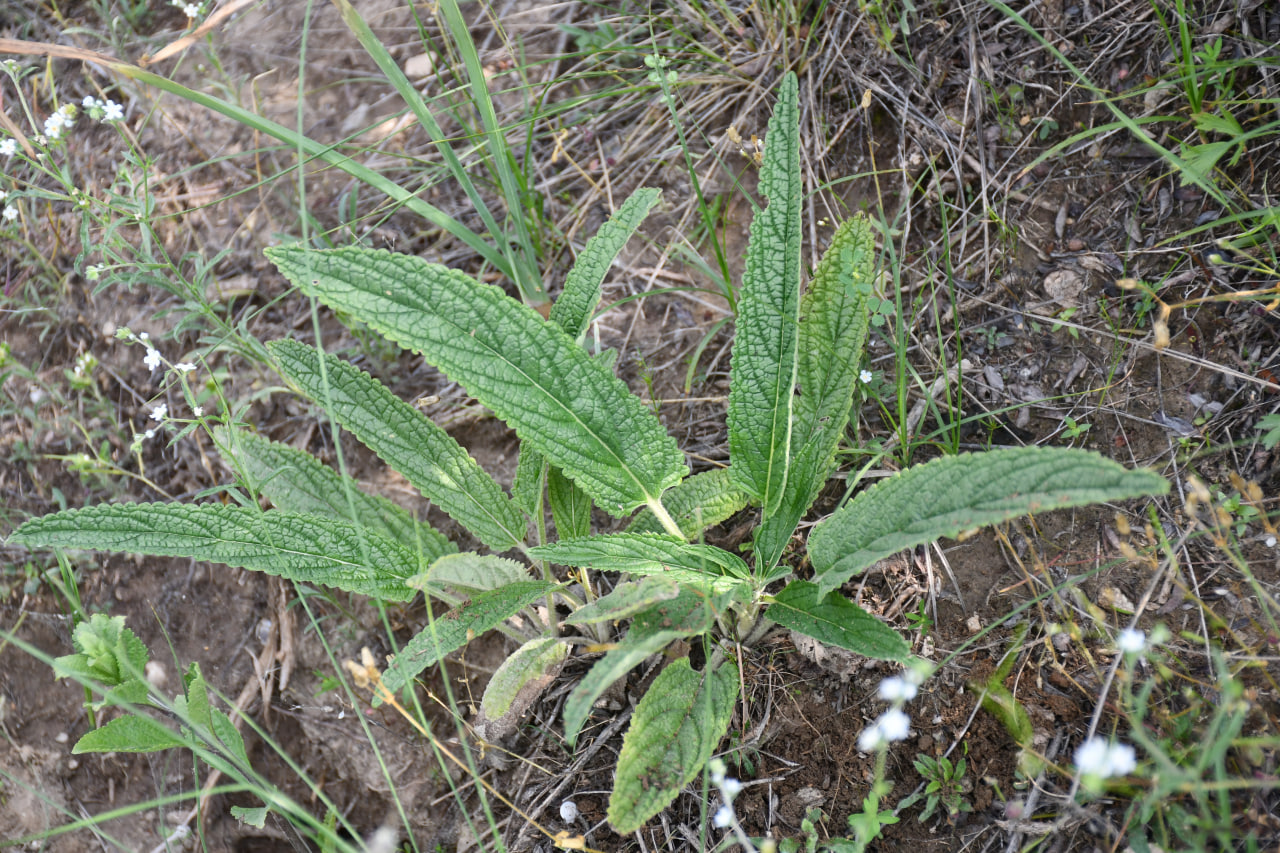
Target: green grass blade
[[954, 494], [409, 93], [525, 268], [295, 481], [765, 346], [409, 442], [528, 372], [833, 332], [572, 309], [303, 548], [327, 154]]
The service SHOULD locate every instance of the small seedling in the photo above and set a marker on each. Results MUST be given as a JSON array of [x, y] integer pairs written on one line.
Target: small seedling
[[946, 787]]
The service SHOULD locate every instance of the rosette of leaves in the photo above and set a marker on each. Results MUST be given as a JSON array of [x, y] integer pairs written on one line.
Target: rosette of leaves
[[588, 442]]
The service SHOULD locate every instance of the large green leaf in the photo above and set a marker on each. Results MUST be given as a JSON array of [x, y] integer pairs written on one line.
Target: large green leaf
[[527, 371], [674, 730], [954, 494], [572, 310], [687, 614], [836, 621], [453, 630], [695, 504], [295, 481], [763, 367], [304, 548], [833, 331], [644, 553], [408, 441]]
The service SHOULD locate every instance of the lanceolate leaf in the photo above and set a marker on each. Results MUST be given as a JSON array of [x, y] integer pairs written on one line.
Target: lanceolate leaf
[[673, 732], [687, 614], [527, 371], [957, 493], [763, 366], [304, 548], [698, 502], [572, 310], [409, 442], [641, 552], [836, 621], [459, 626], [833, 331], [533, 665], [469, 572], [295, 481], [626, 599]]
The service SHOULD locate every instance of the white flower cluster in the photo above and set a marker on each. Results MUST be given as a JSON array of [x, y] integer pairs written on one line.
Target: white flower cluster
[[1103, 759], [191, 10], [894, 724], [62, 120], [101, 110], [729, 788], [8, 146], [153, 360], [1131, 641]]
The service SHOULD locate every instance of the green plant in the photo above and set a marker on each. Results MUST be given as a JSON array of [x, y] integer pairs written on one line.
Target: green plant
[[1072, 429], [1269, 431], [587, 442], [946, 787]]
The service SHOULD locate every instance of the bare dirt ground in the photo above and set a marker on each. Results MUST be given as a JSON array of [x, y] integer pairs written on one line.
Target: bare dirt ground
[[1007, 271]]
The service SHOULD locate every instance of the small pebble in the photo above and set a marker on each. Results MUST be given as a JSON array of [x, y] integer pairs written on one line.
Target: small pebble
[[156, 675], [62, 737]]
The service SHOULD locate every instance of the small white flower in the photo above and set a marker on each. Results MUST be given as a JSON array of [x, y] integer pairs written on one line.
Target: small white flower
[[8, 147], [897, 689], [723, 817], [1102, 758], [10, 212], [1131, 641], [865, 377], [3, 195], [192, 10], [197, 411], [1270, 541], [730, 788], [184, 366], [152, 359], [149, 434], [160, 412], [111, 111], [894, 725], [90, 102], [568, 811]]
